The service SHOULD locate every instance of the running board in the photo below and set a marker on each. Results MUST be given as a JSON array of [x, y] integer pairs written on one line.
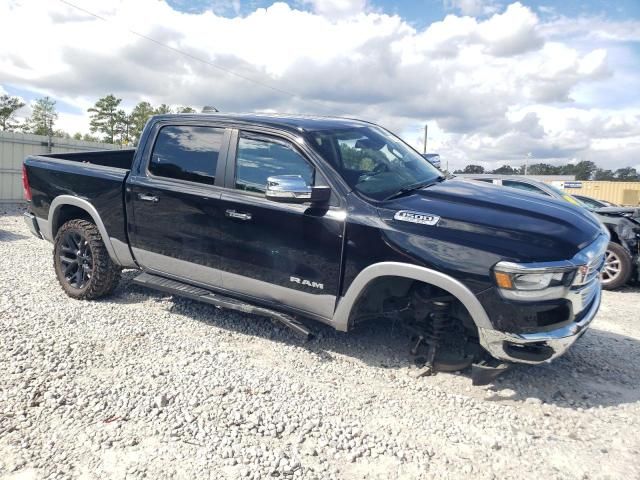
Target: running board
[[196, 293]]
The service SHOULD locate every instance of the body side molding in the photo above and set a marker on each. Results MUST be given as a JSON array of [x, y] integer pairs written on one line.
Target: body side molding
[[406, 270], [122, 257], [319, 304]]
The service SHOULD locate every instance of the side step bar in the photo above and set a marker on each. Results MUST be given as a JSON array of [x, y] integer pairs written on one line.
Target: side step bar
[[196, 293]]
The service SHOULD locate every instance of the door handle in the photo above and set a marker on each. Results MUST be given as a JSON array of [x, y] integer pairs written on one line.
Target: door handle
[[238, 215], [148, 198]]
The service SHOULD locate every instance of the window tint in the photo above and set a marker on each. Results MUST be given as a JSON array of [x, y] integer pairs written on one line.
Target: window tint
[[523, 186], [259, 159], [187, 153]]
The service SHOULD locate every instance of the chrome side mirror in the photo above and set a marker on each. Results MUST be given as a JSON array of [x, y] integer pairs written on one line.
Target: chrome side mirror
[[294, 189]]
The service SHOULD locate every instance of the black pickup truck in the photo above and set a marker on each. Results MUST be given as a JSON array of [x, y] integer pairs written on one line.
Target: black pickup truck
[[325, 219]]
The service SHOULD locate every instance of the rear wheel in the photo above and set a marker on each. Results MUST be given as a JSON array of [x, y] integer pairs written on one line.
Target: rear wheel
[[617, 267], [81, 261]]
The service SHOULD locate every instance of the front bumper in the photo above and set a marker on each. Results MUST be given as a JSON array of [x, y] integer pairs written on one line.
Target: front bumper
[[539, 347], [32, 224]]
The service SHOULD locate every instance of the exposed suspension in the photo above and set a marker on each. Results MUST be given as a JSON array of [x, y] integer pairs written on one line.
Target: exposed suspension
[[432, 323]]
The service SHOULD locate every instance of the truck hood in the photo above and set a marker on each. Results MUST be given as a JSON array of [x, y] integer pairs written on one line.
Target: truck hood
[[514, 225]]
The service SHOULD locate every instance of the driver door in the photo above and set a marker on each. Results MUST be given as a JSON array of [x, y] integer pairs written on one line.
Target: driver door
[[286, 253]]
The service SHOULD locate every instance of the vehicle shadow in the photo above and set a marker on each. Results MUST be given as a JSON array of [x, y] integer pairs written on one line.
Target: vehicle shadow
[[601, 369], [6, 236]]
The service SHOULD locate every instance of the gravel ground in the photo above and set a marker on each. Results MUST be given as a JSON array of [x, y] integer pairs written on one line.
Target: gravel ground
[[146, 385]]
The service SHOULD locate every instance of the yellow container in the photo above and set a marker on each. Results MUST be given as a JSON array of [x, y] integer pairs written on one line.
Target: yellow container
[[621, 193]]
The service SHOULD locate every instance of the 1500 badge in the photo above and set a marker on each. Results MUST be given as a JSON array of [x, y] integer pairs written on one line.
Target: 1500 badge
[[416, 217]]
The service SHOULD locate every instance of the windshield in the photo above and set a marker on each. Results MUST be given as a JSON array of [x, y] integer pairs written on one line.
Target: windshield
[[373, 161]]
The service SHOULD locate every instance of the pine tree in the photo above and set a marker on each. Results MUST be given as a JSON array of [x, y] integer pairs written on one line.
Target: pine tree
[[162, 109], [8, 107], [105, 117], [124, 126], [43, 117], [141, 113]]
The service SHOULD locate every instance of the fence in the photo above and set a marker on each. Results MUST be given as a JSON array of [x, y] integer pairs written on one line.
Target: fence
[[14, 147], [621, 193]]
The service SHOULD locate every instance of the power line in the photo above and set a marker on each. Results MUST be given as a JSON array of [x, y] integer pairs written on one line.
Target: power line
[[188, 55]]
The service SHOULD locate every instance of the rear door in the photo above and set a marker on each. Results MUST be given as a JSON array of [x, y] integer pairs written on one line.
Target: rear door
[[287, 254], [174, 204]]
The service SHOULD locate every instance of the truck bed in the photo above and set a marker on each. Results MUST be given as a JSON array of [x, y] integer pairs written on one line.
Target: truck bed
[[105, 158], [95, 177]]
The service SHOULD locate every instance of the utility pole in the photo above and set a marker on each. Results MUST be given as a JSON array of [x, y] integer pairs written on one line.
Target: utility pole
[[426, 130], [49, 131]]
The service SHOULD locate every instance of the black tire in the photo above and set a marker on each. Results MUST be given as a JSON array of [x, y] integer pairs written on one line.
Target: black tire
[[617, 268], [81, 261]]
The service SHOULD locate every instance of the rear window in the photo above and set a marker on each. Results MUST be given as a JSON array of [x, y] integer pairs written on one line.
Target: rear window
[[187, 153]]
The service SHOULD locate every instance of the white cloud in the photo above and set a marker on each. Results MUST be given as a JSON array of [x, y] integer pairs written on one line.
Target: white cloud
[[472, 8], [595, 28], [337, 8], [491, 88]]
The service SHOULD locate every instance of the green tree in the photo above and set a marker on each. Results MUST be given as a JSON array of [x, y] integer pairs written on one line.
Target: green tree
[[542, 169], [186, 110], [583, 170], [141, 113], [8, 107], [105, 117], [162, 109], [61, 134], [505, 170], [77, 136], [124, 126], [627, 174], [603, 175], [476, 169], [90, 138], [43, 117]]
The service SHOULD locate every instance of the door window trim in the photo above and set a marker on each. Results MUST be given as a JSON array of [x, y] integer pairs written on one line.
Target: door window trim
[[270, 135], [222, 154], [264, 138]]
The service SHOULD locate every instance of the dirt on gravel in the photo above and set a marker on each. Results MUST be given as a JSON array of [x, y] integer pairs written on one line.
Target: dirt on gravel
[[146, 385]]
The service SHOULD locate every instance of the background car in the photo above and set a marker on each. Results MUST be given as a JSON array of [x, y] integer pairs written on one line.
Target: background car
[[594, 202], [623, 252]]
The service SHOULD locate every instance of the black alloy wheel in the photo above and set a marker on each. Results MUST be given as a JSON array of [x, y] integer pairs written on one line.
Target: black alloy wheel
[[76, 259], [81, 261]]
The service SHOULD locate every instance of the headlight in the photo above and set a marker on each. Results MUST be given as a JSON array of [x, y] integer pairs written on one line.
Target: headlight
[[522, 282]]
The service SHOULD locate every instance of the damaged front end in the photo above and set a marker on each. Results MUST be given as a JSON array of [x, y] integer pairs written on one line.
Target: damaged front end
[[624, 226]]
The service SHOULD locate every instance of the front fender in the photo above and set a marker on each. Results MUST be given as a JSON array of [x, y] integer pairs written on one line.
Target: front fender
[[345, 305]]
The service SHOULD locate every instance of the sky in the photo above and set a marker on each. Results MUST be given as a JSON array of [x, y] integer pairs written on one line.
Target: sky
[[494, 80]]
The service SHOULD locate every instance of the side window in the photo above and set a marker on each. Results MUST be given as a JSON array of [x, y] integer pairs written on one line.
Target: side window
[[259, 159], [187, 153], [523, 186]]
